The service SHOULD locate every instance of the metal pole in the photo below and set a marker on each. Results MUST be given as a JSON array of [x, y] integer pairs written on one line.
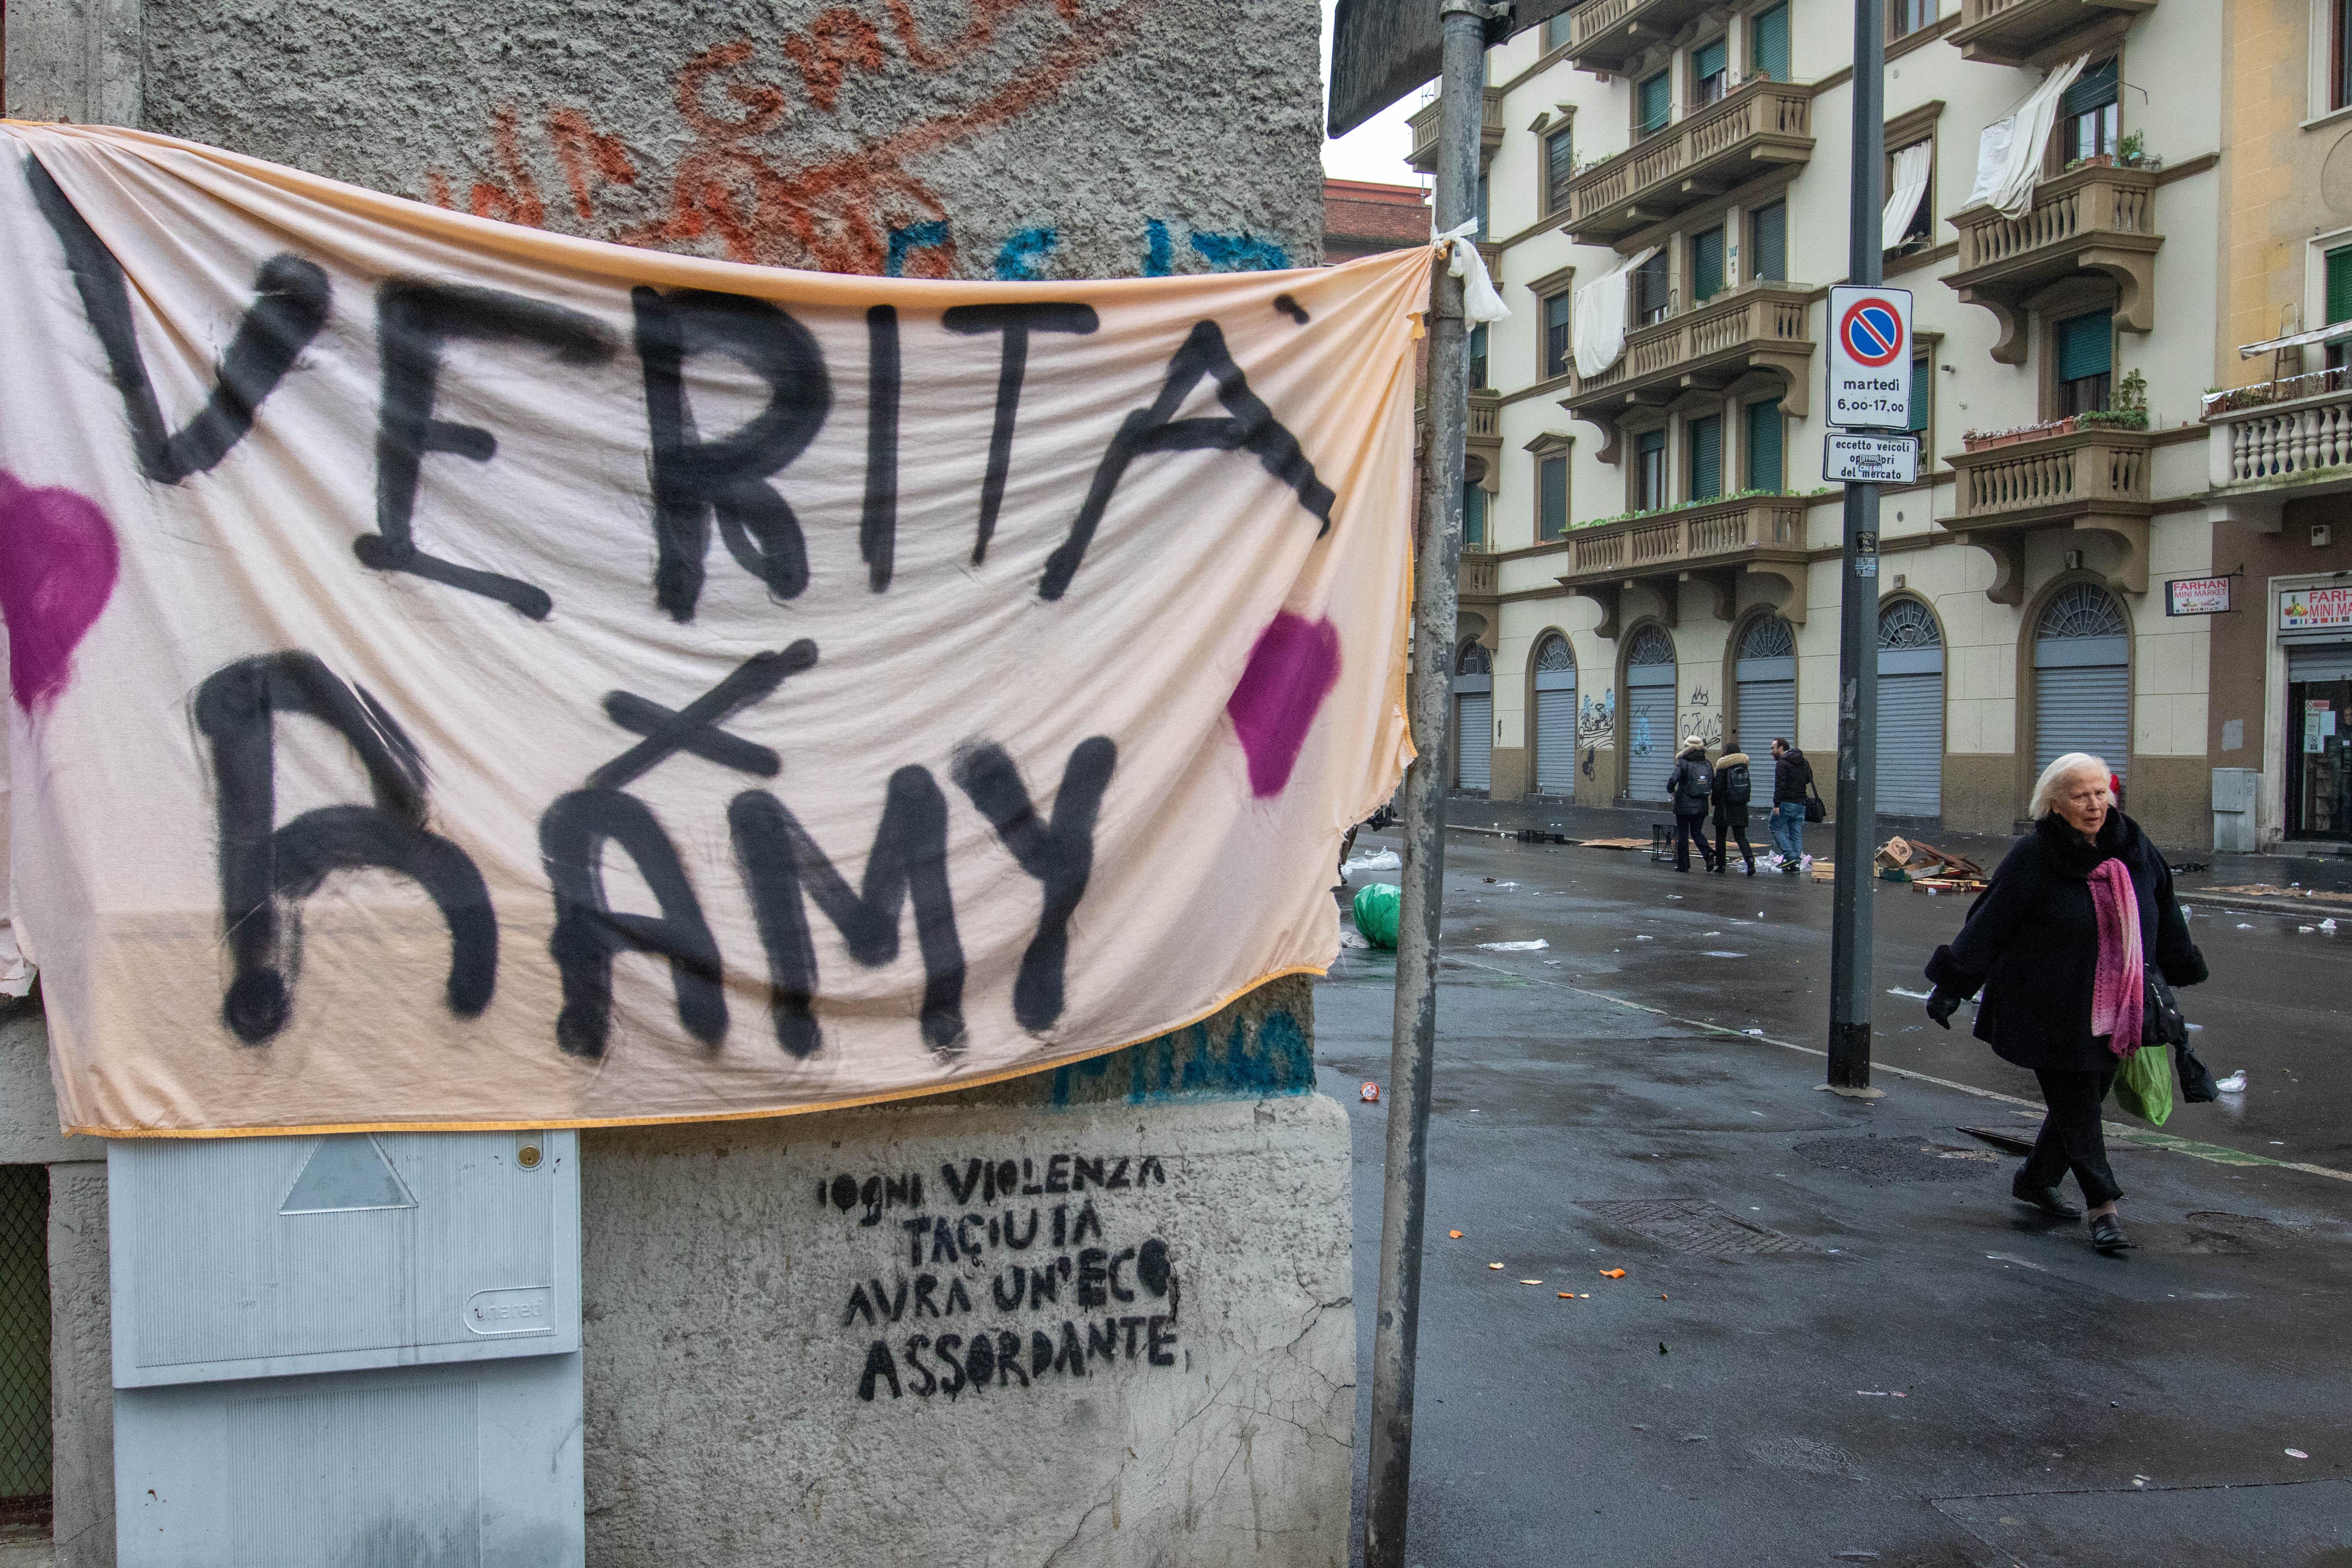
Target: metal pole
[[1857, 777], [1462, 94]]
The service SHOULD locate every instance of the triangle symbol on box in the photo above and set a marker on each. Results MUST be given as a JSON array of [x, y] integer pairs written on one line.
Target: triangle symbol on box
[[344, 1173]]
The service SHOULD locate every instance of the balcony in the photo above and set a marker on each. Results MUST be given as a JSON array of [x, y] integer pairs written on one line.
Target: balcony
[[1760, 125], [2098, 219], [1759, 326], [1712, 542], [2086, 480], [2275, 441], [2016, 32], [1424, 123], [1603, 35], [1480, 578]]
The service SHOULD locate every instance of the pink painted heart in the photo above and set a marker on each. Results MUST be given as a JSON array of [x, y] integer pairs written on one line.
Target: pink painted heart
[[1292, 667], [57, 565]]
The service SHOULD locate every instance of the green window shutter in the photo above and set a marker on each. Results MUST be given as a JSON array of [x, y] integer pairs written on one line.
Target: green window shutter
[[1710, 58], [2339, 285], [1474, 518], [1559, 168], [1921, 391], [1706, 458], [2086, 346], [1656, 102], [1706, 265], [1764, 466], [1772, 243], [1651, 285], [1551, 486], [1771, 43], [1560, 334], [2094, 89]]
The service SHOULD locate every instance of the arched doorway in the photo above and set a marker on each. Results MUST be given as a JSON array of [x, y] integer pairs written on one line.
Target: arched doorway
[[1474, 718], [1649, 738], [1766, 680], [2082, 678], [1555, 716], [1910, 710]]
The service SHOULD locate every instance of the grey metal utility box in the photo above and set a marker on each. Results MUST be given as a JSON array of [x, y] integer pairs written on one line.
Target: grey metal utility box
[[360, 1348], [2237, 817]]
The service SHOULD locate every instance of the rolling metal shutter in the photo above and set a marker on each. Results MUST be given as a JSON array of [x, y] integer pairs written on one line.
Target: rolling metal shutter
[[1768, 704], [1554, 731], [1911, 732], [2320, 661], [1473, 717], [2082, 700], [1650, 737]]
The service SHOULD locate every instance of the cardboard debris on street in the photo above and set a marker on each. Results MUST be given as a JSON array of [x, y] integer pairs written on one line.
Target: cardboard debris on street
[[1916, 860]]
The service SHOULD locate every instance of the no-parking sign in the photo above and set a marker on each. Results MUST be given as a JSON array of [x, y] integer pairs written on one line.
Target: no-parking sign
[[1870, 358]]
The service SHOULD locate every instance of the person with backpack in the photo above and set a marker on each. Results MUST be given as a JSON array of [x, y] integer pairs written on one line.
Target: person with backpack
[[1732, 790], [1792, 781], [1692, 788]]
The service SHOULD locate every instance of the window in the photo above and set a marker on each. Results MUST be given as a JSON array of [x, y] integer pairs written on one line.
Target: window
[[1480, 233], [1768, 242], [1478, 357], [1560, 334], [1474, 518], [2088, 112], [2086, 361], [1765, 468], [1768, 43], [1710, 71], [1923, 394], [2339, 54], [1904, 17], [1649, 470], [1910, 197], [2339, 295], [1653, 103], [1551, 496], [1559, 168], [1706, 265], [1706, 436], [1653, 300]]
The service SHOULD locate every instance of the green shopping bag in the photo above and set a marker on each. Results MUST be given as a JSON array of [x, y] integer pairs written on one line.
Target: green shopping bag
[[2143, 1084], [1377, 908]]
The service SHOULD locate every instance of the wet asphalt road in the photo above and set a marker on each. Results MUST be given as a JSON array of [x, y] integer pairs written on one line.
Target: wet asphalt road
[[1898, 1364]]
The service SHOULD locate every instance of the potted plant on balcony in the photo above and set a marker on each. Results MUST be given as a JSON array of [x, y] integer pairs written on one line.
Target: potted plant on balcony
[[2131, 153], [1984, 440], [2127, 409]]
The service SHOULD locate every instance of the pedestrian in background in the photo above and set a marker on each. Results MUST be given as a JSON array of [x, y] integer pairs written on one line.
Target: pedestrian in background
[[1733, 787], [2077, 916], [1692, 788], [1792, 780]]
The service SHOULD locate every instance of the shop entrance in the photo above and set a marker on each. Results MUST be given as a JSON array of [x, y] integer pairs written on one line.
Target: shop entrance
[[2318, 770]]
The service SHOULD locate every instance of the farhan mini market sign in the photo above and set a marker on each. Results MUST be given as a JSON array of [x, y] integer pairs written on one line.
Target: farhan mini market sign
[[469, 676]]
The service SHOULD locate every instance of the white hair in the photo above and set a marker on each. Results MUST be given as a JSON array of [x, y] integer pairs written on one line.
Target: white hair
[[2056, 775]]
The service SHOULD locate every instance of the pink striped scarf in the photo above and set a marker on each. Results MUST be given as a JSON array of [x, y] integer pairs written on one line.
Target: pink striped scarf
[[2116, 986]]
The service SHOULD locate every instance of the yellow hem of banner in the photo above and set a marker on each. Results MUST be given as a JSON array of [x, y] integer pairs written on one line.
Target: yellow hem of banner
[[765, 1114]]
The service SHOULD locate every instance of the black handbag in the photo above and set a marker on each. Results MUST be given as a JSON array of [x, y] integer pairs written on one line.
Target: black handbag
[[2163, 1024], [2195, 1079], [1814, 810]]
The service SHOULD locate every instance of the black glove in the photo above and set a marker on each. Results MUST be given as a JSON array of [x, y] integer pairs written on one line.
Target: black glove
[[1942, 1005]]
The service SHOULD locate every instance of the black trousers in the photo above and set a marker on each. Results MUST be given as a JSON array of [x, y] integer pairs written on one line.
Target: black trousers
[[2071, 1137], [1737, 830], [1687, 830]]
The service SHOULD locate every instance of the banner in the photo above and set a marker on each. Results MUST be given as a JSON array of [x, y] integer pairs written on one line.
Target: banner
[[466, 677]]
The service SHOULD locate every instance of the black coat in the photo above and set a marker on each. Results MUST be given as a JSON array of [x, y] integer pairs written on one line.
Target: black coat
[[1727, 813], [1791, 777], [1691, 784], [2031, 942]]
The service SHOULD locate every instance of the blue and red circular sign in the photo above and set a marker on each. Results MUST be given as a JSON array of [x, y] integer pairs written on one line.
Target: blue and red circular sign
[[1872, 332]]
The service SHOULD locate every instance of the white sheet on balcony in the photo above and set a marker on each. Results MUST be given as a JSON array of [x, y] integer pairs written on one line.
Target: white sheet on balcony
[[2009, 154], [1600, 314], [1908, 183]]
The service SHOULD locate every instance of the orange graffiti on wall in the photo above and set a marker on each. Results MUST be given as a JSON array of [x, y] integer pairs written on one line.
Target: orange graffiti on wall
[[732, 192]]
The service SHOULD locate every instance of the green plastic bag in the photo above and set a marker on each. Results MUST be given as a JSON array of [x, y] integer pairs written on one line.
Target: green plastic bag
[[2143, 1084], [1377, 908]]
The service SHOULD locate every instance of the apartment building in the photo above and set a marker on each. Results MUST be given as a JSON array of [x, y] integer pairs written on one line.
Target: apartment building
[[1653, 552]]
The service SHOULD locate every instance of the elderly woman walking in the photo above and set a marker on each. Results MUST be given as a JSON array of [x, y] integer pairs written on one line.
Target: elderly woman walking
[[2078, 914]]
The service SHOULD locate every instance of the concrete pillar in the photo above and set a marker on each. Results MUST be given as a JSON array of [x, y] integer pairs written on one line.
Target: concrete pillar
[[81, 61]]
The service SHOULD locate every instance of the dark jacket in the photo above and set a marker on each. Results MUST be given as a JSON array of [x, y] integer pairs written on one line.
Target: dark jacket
[[1691, 784], [1726, 812], [2031, 942], [1791, 775]]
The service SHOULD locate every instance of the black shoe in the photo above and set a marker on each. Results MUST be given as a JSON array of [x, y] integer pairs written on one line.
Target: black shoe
[[2046, 1199], [1719, 870], [1751, 867], [2108, 1234]]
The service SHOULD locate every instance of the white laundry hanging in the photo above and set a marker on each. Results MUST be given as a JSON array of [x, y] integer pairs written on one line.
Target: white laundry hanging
[[1599, 326]]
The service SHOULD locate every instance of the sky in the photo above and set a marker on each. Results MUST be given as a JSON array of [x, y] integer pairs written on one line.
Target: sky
[[1375, 150]]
